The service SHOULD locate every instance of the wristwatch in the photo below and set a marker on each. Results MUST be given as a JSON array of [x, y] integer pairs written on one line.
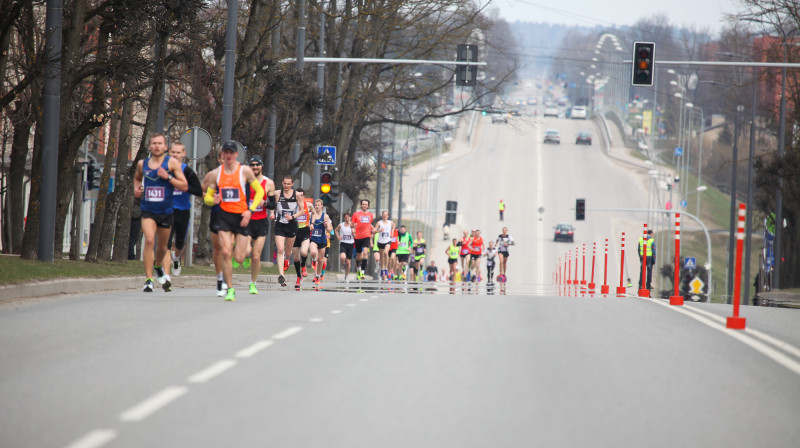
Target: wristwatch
[[169, 177]]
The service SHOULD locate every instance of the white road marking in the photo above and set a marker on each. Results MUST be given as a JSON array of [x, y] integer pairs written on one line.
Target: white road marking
[[149, 406], [373, 297], [287, 332], [315, 319], [211, 371], [253, 349], [336, 311], [94, 439], [739, 335], [363, 300], [540, 201], [351, 304]]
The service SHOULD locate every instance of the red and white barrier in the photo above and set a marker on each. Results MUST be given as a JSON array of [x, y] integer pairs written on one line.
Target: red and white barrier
[[735, 322], [591, 282], [604, 287], [677, 299], [621, 289]]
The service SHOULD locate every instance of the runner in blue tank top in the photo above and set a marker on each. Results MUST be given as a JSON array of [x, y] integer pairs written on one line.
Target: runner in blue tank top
[[181, 210], [154, 181], [320, 225]]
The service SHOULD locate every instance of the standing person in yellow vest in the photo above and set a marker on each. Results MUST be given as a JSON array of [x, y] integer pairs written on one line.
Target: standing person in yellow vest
[[650, 247], [502, 208]]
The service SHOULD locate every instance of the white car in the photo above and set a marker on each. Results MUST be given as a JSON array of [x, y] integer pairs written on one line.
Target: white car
[[499, 118], [552, 136], [578, 112], [551, 112]]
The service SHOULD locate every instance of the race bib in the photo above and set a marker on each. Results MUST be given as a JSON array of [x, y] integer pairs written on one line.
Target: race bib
[[154, 194], [176, 192], [404, 244], [420, 251], [489, 263], [347, 238], [287, 215], [301, 218], [364, 219], [317, 232], [229, 194]]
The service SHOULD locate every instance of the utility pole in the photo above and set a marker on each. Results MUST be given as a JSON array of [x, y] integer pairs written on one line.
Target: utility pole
[[230, 71]]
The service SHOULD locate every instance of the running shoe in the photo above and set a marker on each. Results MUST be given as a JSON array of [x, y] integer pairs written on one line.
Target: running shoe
[[148, 285], [231, 295], [297, 283], [246, 263], [282, 280], [176, 267], [253, 289], [316, 280], [160, 274], [167, 284], [235, 265], [314, 264], [303, 272], [222, 287], [285, 264], [467, 277]]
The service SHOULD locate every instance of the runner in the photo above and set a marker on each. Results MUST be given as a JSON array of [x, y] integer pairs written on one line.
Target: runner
[[490, 254], [155, 180], [420, 249], [384, 229], [393, 257], [213, 227], [452, 258], [376, 253], [503, 241], [464, 245], [362, 220], [320, 225], [431, 272], [234, 215], [404, 244], [259, 224], [326, 251], [301, 242], [476, 248], [286, 213], [181, 209], [344, 233]]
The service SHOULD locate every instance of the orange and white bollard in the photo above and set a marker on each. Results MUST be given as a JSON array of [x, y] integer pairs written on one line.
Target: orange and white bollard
[[677, 299], [643, 291], [604, 287], [621, 289], [591, 282], [735, 322], [583, 272]]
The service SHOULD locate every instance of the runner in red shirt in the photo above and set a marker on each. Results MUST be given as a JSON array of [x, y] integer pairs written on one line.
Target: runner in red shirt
[[393, 257], [476, 248], [362, 221], [463, 252]]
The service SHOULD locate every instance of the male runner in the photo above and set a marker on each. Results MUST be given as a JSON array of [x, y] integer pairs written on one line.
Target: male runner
[[155, 179], [503, 241], [490, 254], [259, 224], [384, 229], [362, 220], [213, 227], [302, 241], [476, 248], [234, 215], [320, 225], [345, 235], [181, 210], [420, 249], [286, 213], [404, 244]]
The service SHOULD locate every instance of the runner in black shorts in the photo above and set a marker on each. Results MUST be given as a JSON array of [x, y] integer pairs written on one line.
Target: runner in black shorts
[[162, 221], [214, 228]]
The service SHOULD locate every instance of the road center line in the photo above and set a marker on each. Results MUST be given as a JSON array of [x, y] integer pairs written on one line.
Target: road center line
[[211, 371], [336, 311], [351, 304], [94, 439], [315, 319], [149, 406], [249, 352], [760, 347], [287, 332]]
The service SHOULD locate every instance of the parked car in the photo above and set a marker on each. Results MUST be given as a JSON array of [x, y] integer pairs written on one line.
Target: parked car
[[499, 118], [552, 136], [578, 112], [564, 231], [551, 111], [583, 138]]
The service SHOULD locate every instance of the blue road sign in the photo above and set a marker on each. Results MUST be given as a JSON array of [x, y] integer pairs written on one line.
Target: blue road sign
[[678, 151], [326, 155], [690, 263], [683, 203]]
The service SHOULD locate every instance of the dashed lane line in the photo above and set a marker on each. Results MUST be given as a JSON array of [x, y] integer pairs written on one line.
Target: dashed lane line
[[149, 406], [94, 439], [250, 351], [316, 319], [336, 311], [287, 332], [211, 371]]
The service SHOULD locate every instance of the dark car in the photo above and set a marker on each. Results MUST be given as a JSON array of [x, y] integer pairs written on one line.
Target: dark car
[[564, 232], [583, 138]]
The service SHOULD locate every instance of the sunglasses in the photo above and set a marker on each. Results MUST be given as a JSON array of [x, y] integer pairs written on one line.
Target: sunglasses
[[255, 164]]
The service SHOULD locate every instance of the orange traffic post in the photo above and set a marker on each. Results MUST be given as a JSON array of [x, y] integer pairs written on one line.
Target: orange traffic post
[[735, 322], [591, 282], [643, 291], [677, 299], [604, 287], [621, 288], [583, 271], [575, 281]]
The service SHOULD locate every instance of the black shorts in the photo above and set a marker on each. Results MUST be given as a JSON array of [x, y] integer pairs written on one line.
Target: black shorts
[[213, 224], [347, 250], [162, 221], [505, 254], [452, 260], [231, 222], [362, 243], [180, 225], [402, 258], [286, 230], [392, 252], [258, 227], [382, 246], [463, 256], [474, 256], [303, 234]]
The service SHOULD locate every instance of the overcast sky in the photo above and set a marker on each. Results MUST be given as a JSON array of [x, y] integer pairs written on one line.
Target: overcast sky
[[619, 12]]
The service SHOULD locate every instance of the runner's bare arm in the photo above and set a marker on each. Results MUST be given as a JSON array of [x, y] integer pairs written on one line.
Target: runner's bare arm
[[178, 179], [137, 180]]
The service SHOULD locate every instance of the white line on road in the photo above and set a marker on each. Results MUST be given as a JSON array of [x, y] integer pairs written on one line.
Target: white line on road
[[351, 304], [149, 406], [287, 332], [94, 439], [363, 300], [760, 347], [211, 371], [336, 311], [373, 297], [315, 319], [253, 349]]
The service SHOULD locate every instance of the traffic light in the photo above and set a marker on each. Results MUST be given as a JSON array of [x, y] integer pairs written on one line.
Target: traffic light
[[450, 215], [580, 209], [326, 185], [467, 75], [643, 68], [92, 176]]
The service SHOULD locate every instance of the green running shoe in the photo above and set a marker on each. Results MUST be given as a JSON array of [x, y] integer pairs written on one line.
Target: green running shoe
[[231, 295], [253, 289], [246, 263], [235, 264]]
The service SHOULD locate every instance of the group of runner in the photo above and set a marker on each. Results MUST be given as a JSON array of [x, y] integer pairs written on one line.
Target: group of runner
[[471, 249]]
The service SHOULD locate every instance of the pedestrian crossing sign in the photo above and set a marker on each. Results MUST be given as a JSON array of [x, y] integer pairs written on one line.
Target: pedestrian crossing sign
[[326, 155], [690, 263]]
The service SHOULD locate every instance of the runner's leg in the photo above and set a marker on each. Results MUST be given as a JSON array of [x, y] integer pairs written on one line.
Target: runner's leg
[[149, 230]]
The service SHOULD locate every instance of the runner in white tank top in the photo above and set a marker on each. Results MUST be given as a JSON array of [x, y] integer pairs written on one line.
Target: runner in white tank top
[[384, 228]]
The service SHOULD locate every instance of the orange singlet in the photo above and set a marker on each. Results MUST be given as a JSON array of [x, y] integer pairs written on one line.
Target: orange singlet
[[231, 190]]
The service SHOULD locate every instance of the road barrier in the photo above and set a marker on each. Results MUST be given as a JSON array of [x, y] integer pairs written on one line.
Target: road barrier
[[677, 299], [643, 291], [583, 272], [735, 322], [604, 287], [591, 282], [621, 289]]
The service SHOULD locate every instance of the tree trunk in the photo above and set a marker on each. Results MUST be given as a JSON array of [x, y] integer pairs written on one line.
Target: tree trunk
[[98, 227], [16, 184], [123, 189]]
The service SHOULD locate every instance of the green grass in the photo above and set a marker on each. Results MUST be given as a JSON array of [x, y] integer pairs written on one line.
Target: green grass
[[14, 269]]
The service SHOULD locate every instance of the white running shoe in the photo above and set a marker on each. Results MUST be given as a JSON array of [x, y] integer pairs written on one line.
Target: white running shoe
[[160, 276]]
